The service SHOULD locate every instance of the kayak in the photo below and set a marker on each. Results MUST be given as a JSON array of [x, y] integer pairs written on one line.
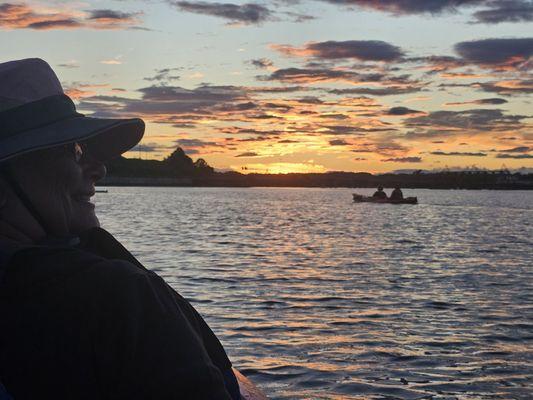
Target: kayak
[[248, 390], [358, 198]]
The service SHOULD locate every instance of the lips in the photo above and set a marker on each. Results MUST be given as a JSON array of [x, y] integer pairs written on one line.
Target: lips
[[84, 197]]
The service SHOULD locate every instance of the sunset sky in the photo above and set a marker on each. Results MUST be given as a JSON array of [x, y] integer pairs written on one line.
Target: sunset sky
[[297, 86]]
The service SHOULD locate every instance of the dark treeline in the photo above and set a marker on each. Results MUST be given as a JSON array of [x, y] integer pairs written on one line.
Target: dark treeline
[[176, 165], [441, 180], [179, 169]]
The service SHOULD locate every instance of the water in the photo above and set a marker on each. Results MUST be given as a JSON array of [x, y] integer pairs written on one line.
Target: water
[[315, 297]]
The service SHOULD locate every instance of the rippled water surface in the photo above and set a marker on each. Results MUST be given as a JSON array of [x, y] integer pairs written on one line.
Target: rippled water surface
[[315, 297]]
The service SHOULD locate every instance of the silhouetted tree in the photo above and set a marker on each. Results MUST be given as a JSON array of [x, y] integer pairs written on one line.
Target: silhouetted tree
[[179, 163], [202, 167]]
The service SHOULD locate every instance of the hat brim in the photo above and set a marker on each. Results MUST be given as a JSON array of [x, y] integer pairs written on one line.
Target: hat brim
[[107, 138]]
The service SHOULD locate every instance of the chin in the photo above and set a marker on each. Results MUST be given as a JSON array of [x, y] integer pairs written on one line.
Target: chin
[[84, 223]]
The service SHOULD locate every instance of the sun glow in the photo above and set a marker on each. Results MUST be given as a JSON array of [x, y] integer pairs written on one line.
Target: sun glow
[[280, 168]]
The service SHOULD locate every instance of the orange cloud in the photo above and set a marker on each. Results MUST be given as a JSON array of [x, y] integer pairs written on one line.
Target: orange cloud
[[291, 51], [363, 50], [75, 93], [22, 16], [82, 90], [507, 87], [462, 75]]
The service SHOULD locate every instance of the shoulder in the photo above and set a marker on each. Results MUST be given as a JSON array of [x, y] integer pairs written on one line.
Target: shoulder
[[41, 267]]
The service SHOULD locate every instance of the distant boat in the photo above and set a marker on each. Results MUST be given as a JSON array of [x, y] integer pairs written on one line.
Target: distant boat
[[359, 198], [100, 191]]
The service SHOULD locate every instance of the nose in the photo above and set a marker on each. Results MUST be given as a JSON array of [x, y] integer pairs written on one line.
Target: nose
[[93, 169]]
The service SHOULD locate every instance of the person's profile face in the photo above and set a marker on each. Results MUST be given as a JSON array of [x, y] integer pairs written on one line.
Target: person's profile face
[[60, 183]]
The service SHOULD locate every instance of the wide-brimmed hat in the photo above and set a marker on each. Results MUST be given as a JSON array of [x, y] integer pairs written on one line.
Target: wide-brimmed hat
[[36, 114]]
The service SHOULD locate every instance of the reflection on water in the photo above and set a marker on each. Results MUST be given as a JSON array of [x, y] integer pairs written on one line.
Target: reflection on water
[[315, 297]]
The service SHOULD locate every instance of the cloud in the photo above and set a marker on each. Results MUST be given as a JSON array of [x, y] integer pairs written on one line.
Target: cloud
[[77, 90], [299, 17], [195, 146], [353, 130], [363, 50], [250, 131], [150, 148], [299, 75], [310, 100], [248, 154], [22, 16], [515, 156], [247, 13], [55, 24], [113, 61], [252, 139], [288, 141], [193, 151], [388, 148], [112, 18], [438, 64], [277, 89], [458, 153], [497, 10], [262, 63], [519, 149], [402, 111], [318, 75], [506, 87], [168, 104], [403, 159], [264, 116], [338, 142], [205, 95], [69, 64], [109, 15], [462, 75], [506, 11], [275, 106], [163, 75], [471, 120], [195, 143], [499, 54], [238, 106], [493, 101], [402, 7], [387, 91], [334, 116]]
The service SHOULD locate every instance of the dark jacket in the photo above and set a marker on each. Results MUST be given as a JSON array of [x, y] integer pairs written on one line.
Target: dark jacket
[[396, 194], [379, 194], [91, 322]]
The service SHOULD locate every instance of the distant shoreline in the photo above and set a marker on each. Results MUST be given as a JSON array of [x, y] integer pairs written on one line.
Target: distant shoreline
[[311, 187], [334, 180], [178, 169]]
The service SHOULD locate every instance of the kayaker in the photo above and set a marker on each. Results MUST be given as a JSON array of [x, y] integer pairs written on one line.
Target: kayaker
[[396, 193], [81, 317], [380, 194]]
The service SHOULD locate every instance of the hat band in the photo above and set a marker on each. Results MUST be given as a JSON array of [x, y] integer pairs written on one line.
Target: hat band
[[36, 114]]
